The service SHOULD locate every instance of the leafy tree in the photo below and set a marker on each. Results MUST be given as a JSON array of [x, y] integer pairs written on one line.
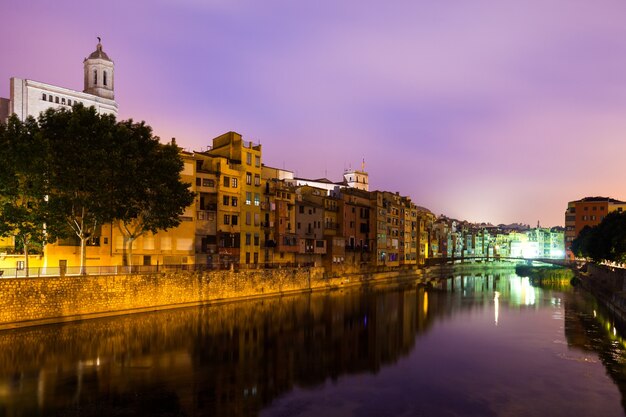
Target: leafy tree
[[152, 194], [82, 162], [23, 205], [604, 242]]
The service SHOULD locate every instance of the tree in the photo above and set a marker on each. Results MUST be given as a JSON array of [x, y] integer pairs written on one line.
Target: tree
[[23, 205], [82, 161], [152, 195], [603, 242]]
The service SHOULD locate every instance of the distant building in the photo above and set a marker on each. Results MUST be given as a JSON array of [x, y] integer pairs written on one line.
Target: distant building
[[588, 211], [30, 98]]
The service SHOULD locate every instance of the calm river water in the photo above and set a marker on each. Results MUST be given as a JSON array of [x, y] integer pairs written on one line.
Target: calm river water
[[481, 345]]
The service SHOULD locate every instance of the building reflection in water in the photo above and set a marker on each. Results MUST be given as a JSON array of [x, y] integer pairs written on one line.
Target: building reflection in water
[[234, 359], [224, 360], [591, 328]]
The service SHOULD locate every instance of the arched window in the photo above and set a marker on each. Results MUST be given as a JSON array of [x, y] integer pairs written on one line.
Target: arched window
[[104, 77], [95, 77]]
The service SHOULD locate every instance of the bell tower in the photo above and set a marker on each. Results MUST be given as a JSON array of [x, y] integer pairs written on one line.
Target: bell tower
[[99, 73]]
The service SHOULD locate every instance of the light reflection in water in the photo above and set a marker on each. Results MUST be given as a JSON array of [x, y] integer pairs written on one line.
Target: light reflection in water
[[496, 305], [238, 359]]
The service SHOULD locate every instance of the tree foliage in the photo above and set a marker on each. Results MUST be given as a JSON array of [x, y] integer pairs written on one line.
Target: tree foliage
[[23, 206], [604, 242], [153, 195], [74, 170]]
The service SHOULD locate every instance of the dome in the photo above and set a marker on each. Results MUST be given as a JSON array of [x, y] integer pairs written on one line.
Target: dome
[[99, 53]]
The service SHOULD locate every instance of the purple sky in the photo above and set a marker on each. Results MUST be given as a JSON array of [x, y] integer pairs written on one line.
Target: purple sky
[[482, 110]]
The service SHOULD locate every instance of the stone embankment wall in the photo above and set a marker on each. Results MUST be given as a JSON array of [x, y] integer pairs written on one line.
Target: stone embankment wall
[[35, 301], [609, 285]]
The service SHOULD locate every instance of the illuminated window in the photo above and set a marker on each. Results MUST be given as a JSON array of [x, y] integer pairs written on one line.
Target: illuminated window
[[234, 182], [257, 199], [248, 198]]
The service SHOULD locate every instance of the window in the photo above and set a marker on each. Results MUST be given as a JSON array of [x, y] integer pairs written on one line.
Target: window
[[256, 239], [50, 98], [248, 218], [226, 218], [43, 96], [248, 239], [248, 158], [233, 202], [257, 199], [301, 209], [234, 182], [248, 198], [69, 102], [225, 200], [248, 178], [257, 161], [104, 77], [234, 220], [226, 181], [257, 179], [95, 77], [207, 182], [257, 219], [56, 100], [594, 208], [198, 181], [63, 100], [298, 225]]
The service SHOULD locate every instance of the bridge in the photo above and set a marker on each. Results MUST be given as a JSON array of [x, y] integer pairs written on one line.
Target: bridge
[[478, 259]]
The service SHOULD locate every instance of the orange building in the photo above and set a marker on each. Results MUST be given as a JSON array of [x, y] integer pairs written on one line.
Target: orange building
[[589, 211]]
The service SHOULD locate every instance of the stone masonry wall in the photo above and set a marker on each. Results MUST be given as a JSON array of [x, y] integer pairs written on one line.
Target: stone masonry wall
[[33, 301]]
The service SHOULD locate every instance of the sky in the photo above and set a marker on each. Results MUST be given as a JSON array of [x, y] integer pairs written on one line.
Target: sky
[[488, 111]]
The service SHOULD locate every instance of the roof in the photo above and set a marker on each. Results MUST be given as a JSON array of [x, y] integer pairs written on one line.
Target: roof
[[601, 199], [99, 53]]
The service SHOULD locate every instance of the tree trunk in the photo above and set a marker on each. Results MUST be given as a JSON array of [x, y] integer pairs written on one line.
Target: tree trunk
[[83, 255], [25, 258], [130, 252]]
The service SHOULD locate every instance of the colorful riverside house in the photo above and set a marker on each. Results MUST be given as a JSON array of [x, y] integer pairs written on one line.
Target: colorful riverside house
[[236, 199], [310, 226], [357, 231], [279, 222]]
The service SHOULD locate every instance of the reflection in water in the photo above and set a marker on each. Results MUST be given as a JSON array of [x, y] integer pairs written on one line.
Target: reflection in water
[[235, 359], [226, 360]]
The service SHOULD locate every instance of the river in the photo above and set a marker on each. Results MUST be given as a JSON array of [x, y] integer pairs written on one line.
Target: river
[[484, 345]]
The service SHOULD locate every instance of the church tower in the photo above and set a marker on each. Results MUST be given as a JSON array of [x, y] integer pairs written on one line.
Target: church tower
[[99, 74]]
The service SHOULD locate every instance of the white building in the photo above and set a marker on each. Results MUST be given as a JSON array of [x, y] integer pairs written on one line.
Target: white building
[[30, 98]]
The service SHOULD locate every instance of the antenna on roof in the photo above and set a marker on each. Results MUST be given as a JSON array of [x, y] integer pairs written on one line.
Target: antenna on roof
[[99, 40]]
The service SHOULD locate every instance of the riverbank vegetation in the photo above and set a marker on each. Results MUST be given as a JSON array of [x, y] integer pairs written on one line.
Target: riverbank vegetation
[[605, 242]]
